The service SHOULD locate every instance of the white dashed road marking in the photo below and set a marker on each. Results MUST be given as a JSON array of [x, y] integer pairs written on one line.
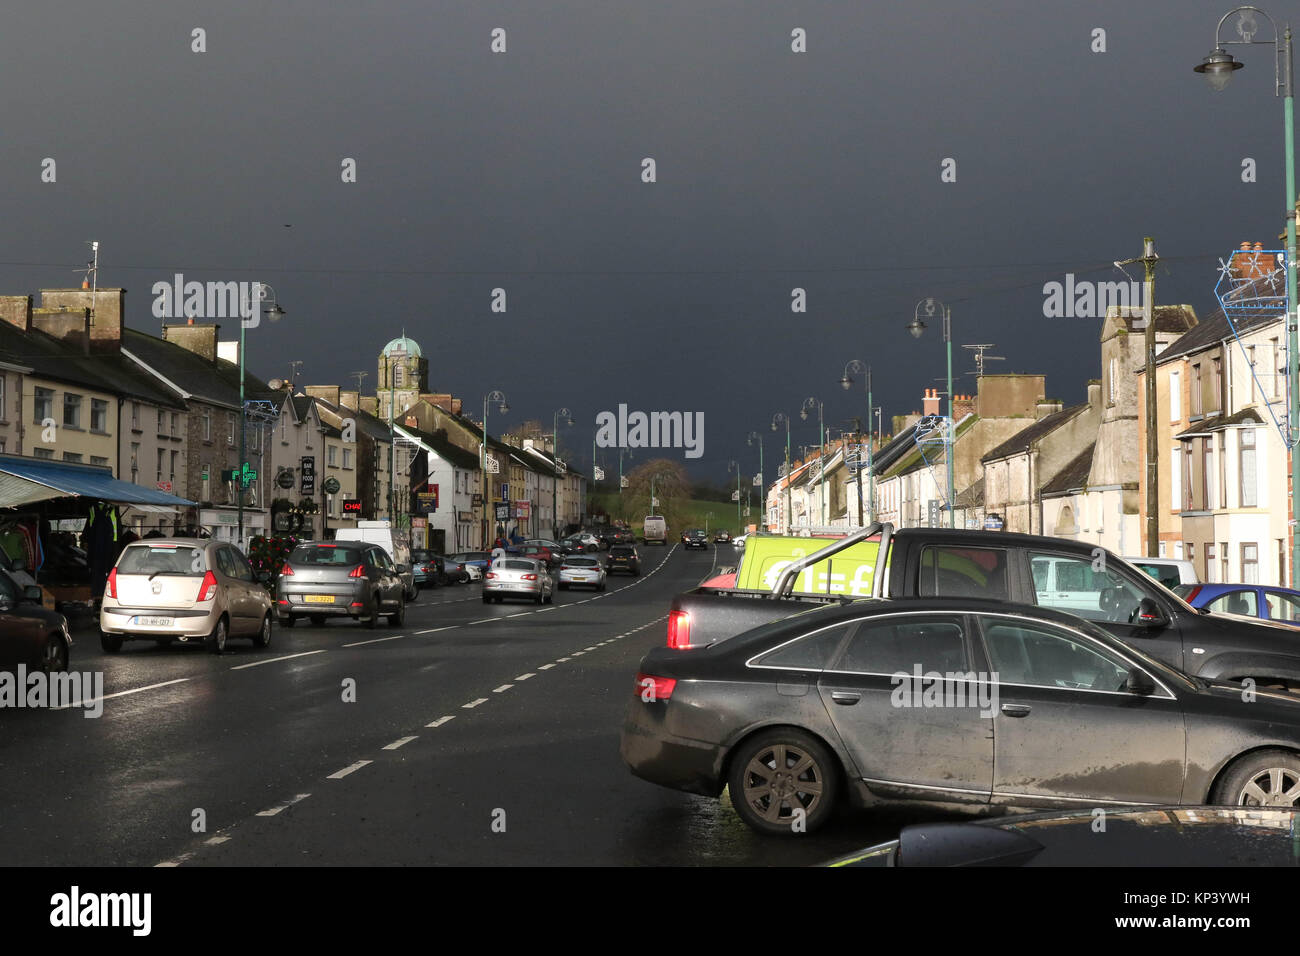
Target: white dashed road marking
[[273, 660], [524, 676], [474, 703], [398, 743], [376, 640], [340, 774], [546, 667], [123, 693], [434, 630], [440, 721], [503, 687]]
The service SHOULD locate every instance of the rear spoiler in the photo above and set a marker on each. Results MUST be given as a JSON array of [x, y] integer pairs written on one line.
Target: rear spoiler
[[886, 531]]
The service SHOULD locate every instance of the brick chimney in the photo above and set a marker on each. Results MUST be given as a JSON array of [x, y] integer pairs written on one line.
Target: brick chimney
[[1249, 262], [107, 307], [349, 399], [962, 405], [328, 393], [199, 339], [930, 402], [17, 311], [70, 326]]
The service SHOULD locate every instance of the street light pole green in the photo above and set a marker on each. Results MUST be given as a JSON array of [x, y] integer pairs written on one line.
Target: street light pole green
[[1218, 68]]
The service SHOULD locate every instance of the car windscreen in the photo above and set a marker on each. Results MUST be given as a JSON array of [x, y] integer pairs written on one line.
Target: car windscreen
[[171, 559], [315, 556]]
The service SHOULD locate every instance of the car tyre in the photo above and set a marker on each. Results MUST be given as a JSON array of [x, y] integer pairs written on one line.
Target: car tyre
[[778, 771], [373, 620], [396, 620], [54, 656], [550, 597], [263, 636], [111, 643], [217, 639], [1260, 779]]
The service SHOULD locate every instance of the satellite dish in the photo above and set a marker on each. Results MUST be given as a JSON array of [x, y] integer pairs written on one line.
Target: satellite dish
[[276, 384]]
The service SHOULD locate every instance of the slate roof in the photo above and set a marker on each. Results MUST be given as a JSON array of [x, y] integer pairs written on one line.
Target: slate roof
[[1215, 327], [215, 383], [109, 372], [1021, 440], [1073, 477], [445, 448]]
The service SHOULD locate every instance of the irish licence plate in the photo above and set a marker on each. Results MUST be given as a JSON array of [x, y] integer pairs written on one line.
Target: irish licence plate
[[154, 621]]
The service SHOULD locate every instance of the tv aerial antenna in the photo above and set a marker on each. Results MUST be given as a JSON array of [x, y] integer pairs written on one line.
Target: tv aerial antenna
[[981, 357]]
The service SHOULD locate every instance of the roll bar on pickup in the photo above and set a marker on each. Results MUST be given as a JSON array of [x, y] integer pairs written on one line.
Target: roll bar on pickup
[[785, 583]]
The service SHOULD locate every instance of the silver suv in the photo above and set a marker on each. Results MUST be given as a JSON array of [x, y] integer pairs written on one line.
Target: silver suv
[[183, 589]]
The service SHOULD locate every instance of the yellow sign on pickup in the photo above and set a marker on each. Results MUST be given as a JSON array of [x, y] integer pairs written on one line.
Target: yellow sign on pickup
[[847, 573]]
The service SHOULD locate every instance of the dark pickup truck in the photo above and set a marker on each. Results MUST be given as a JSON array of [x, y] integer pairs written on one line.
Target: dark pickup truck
[[1070, 576]]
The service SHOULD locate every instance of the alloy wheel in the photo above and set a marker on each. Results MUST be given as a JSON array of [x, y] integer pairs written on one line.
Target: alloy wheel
[[1271, 787], [780, 779]]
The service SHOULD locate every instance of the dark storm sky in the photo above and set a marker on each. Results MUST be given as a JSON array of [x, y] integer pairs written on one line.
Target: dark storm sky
[[818, 170]]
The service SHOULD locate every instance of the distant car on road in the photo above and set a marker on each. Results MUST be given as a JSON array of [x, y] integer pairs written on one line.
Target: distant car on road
[[184, 589], [454, 570], [350, 579], [518, 577], [427, 569], [542, 553], [722, 537], [739, 541], [581, 570], [623, 557], [695, 538], [473, 559], [1251, 600], [655, 530]]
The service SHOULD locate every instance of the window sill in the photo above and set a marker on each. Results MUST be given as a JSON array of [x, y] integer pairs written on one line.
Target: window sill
[[93, 431]]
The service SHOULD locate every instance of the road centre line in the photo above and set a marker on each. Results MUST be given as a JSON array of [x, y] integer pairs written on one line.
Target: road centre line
[[273, 660], [340, 774], [377, 640], [123, 693]]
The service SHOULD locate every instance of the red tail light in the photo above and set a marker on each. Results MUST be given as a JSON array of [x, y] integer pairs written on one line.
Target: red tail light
[[530, 577], [679, 629], [1191, 595], [490, 574], [287, 569], [208, 589], [111, 590], [358, 572], [650, 688]]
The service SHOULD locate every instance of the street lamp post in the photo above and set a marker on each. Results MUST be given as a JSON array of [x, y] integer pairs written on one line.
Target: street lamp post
[[1218, 68], [499, 398], [789, 504], [555, 453], [734, 465], [856, 365], [756, 437], [809, 404], [917, 327], [274, 311]]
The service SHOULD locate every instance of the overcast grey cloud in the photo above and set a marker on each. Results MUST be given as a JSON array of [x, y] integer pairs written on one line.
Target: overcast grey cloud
[[522, 170]]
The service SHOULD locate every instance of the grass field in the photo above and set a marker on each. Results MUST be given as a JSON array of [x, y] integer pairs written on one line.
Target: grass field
[[688, 513]]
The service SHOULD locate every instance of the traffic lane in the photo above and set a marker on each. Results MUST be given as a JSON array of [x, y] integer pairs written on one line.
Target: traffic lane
[[531, 776], [260, 722]]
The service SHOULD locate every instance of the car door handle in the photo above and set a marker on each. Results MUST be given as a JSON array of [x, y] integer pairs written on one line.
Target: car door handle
[[1016, 710], [845, 698]]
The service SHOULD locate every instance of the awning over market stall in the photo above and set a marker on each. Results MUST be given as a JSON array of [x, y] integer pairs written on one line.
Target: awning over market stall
[[27, 480]]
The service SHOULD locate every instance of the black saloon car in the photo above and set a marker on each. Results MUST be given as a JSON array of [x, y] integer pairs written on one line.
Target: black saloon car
[[950, 701], [695, 538]]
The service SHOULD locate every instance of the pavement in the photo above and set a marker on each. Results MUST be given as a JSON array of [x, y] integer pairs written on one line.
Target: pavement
[[473, 735]]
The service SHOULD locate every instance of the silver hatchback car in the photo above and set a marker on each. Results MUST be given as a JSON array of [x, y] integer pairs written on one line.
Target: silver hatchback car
[[518, 577], [196, 590]]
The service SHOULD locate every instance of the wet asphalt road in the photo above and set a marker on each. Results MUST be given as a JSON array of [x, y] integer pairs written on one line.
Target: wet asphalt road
[[522, 766]]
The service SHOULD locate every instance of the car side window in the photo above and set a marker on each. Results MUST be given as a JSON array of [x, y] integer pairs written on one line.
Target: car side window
[[812, 652], [902, 643], [224, 564], [1283, 607], [1236, 602], [243, 570], [963, 572], [380, 559], [1040, 656], [1084, 587]]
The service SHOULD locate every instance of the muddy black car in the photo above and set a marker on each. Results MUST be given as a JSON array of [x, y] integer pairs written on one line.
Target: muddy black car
[[948, 702]]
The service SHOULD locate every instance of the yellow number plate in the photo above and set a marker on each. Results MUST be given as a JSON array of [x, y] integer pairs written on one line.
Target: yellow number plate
[[318, 598]]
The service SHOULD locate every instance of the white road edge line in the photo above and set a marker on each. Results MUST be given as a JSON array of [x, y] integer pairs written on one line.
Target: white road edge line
[[273, 660], [340, 774]]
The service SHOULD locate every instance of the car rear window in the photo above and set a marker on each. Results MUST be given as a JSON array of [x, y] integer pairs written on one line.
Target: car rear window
[[152, 559], [509, 565], [325, 555], [621, 552], [580, 563]]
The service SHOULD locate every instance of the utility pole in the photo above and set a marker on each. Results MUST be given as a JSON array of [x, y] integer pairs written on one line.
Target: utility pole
[[1149, 260]]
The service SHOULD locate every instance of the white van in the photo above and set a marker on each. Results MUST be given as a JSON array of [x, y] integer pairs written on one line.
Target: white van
[[1170, 572], [395, 541], [655, 530]]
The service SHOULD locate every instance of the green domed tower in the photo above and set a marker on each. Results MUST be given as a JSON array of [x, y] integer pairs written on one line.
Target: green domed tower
[[403, 376]]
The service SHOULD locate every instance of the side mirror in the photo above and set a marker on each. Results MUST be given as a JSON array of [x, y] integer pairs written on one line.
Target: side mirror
[[34, 594], [1139, 682], [403, 568], [1149, 614]]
